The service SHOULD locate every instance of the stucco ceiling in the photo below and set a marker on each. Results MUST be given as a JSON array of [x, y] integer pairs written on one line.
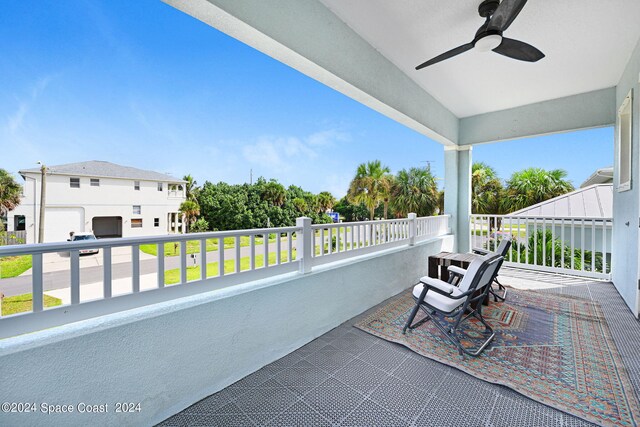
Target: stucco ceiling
[[587, 44]]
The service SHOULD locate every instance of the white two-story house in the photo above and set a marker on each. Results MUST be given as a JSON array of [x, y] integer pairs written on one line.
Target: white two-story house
[[108, 199]]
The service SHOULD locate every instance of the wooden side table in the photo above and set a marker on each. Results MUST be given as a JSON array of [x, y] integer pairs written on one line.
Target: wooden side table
[[439, 263]]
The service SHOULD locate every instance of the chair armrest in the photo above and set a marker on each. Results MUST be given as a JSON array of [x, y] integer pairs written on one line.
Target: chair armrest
[[480, 251], [437, 284], [457, 270]]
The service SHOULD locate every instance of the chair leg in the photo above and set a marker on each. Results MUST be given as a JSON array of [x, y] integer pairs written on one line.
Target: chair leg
[[497, 297], [411, 317]]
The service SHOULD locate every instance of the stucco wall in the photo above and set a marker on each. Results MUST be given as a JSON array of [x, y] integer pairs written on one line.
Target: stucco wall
[[626, 205], [168, 356]]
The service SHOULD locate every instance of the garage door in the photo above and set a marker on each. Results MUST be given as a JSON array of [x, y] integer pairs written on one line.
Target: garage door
[[59, 222], [107, 226]]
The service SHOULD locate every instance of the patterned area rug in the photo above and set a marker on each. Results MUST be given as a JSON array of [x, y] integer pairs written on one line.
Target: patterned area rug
[[554, 349]]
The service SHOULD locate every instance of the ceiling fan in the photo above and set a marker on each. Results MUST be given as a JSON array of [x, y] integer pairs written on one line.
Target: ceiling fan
[[499, 16]]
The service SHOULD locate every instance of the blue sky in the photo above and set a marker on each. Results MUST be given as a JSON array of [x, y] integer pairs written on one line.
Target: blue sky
[[142, 84]]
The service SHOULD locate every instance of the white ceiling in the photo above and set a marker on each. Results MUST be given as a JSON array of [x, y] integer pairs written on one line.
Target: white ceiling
[[587, 44]]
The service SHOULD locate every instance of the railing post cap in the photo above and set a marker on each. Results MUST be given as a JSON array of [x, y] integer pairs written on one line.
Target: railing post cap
[[412, 215]]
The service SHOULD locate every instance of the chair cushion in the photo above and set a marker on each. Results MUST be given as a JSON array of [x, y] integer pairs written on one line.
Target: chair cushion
[[437, 283], [441, 302]]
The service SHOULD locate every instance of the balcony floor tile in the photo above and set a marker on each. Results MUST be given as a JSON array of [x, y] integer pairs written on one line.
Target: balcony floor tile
[[347, 377]]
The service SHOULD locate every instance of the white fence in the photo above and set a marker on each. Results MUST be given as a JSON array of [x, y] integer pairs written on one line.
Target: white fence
[[13, 238], [578, 245], [225, 258]]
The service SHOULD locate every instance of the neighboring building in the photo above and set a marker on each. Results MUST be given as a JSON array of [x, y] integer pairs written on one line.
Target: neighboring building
[[108, 199], [594, 202], [601, 176]]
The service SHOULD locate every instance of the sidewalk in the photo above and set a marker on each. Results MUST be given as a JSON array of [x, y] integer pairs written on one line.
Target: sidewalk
[[94, 291], [59, 261]]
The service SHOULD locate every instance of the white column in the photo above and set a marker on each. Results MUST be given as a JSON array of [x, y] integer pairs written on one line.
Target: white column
[[457, 194]]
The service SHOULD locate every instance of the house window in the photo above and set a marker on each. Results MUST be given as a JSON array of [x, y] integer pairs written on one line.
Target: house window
[[156, 222], [137, 209], [136, 185], [624, 125], [136, 223], [74, 182], [95, 182], [159, 186]]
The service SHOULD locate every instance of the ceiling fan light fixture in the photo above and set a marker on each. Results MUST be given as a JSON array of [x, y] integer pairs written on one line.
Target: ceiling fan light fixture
[[487, 43]]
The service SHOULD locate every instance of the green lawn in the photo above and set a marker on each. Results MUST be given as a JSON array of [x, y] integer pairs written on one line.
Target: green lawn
[[13, 266], [193, 246], [172, 277], [24, 302]]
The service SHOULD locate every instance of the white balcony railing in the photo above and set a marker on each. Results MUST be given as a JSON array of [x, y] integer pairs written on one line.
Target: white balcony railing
[[580, 246], [241, 256]]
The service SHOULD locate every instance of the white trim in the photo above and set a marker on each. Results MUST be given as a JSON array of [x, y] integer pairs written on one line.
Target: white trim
[[627, 104]]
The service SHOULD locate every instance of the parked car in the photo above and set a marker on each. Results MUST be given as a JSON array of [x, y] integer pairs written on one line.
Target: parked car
[[79, 237]]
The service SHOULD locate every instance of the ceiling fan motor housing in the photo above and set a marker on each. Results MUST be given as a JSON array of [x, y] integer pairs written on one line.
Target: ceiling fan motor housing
[[487, 7]]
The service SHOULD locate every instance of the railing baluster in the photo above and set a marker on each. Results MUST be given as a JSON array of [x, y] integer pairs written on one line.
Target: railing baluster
[[290, 246], [573, 228], [238, 248], [279, 249], [252, 252], [517, 239], [604, 246], [221, 257], [330, 245], [582, 244], [322, 241], [344, 240], [313, 243], [352, 241], [106, 272], [593, 245], [553, 242], [183, 262], [75, 276], [265, 250], [535, 240], [160, 261], [562, 243], [203, 257], [337, 239], [544, 242], [37, 285]]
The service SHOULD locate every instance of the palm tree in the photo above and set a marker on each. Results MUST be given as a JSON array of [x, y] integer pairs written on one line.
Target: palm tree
[[441, 202], [535, 185], [274, 193], [326, 201], [416, 191], [486, 190], [191, 187], [190, 209], [10, 192], [370, 186], [300, 204]]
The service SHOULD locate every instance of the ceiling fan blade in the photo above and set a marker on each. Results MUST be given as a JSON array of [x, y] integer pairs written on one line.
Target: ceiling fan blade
[[518, 50], [453, 52], [505, 14]]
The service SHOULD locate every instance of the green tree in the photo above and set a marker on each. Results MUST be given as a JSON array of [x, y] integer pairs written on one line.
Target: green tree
[[274, 193], [371, 186], [350, 211], [199, 226], [300, 204], [190, 209], [415, 190], [534, 185], [487, 191], [326, 201], [441, 202], [10, 192], [191, 188]]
